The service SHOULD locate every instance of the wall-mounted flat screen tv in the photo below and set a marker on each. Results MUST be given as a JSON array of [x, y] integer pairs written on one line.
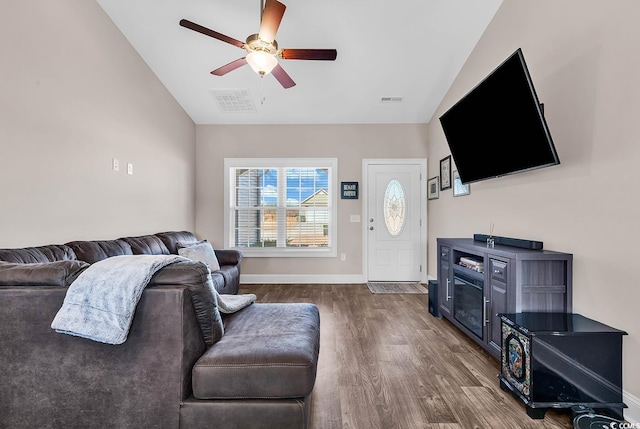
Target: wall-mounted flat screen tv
[[498, 128]]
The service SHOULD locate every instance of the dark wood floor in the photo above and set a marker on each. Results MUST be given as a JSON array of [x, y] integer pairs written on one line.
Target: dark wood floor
[[385, 363]]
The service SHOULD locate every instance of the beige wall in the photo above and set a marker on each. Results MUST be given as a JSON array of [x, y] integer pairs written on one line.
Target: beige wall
[[73, 95], [583, 58], [349, 143]]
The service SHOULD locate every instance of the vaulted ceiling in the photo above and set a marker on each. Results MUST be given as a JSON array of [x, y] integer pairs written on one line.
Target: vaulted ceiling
[[396, 59]]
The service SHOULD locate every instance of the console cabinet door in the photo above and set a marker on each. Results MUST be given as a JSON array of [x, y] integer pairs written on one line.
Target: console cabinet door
[[445, 282], [498, 303]]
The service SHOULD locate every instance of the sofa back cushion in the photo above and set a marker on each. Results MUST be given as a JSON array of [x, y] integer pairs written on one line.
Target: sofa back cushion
[[30, 255], [172, 238], [147, 245], [94, 251]]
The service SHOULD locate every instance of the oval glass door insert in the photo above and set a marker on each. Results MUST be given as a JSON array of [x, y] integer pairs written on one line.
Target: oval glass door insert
[[394, 208]]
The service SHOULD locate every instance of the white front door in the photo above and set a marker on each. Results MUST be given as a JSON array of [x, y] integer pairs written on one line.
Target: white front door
[[393, 224]]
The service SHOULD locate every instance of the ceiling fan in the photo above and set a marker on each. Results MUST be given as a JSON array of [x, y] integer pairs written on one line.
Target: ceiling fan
[[262, 48]]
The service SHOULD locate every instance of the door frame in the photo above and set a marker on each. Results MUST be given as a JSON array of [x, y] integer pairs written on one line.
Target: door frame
[[422, 162]]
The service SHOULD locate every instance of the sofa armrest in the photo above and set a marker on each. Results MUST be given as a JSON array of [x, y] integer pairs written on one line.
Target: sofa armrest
[[188, 273], [228, 256], [196, 277]]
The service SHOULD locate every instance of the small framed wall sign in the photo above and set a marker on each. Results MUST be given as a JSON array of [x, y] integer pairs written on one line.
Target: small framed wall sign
[[458, 188], [432, 188], [349, 190], [445, 173]]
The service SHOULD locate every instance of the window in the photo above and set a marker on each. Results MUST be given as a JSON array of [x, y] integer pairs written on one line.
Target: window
[[281, 207], [394, 208]]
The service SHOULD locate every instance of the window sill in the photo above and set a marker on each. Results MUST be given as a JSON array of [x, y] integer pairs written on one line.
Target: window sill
[[287, 253]]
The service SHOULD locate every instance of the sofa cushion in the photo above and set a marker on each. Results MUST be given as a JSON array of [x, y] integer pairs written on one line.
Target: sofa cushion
[[268, 351], [94, 251], [58, 273], [199, 251], [28, 255], [172, 238], [147, 245]]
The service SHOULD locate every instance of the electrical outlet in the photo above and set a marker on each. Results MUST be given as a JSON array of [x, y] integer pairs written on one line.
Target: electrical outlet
[[115, 164], [129, 168], [343, 256]]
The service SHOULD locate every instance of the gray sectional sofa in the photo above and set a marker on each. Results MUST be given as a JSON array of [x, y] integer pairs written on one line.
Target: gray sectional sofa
[[172, 371]]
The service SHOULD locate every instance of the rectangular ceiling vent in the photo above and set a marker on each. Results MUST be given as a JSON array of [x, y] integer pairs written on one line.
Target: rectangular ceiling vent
[[234, 100], [390, 99]]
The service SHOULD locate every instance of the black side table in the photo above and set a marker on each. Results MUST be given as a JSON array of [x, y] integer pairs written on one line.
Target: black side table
[[560, 360]]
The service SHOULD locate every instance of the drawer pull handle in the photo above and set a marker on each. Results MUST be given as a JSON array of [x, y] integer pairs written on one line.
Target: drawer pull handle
[[497, 272], [485, 319]]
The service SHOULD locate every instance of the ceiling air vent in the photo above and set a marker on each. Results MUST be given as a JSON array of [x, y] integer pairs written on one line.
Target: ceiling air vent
[[390, 99], [234, 100]]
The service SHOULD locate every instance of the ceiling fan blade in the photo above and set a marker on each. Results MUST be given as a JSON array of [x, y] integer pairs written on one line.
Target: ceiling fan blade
[[270, 21], [309, 54], [282, 77], [200, 29], [221, 71]]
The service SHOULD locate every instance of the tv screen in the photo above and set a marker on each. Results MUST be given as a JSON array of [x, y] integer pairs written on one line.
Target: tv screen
[[498, 128]]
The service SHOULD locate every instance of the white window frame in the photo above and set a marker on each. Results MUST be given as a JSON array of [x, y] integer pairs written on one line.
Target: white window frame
[[230, 164]]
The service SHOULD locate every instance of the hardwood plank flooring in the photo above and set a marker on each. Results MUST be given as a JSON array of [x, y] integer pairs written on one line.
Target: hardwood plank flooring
[[386, 363]]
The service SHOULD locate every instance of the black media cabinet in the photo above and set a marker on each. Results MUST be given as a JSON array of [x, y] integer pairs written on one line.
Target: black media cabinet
[[476, 283], [561, 360]]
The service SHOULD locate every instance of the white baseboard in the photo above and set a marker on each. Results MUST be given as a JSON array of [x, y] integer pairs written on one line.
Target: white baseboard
[[631, 414], [305, 278], [301, 278]]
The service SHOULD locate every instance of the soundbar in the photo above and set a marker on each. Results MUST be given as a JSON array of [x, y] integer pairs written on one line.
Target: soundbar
[[513, 242]]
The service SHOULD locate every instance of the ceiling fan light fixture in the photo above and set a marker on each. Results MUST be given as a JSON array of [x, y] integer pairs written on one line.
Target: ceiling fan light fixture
[[262, 48], [262, 62]]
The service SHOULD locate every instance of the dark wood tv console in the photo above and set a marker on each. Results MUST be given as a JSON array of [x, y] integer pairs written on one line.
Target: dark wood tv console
[[501, 279]]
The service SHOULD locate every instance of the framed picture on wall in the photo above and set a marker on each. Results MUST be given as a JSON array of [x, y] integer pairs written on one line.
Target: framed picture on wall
[[432, 188], [458, 188], [445, 173]]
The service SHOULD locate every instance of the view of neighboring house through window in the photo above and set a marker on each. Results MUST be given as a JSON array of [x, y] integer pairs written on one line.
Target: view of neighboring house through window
[[281, 206]]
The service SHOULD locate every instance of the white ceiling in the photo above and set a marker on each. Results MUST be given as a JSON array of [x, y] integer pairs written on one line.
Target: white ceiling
[[411, 49]]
